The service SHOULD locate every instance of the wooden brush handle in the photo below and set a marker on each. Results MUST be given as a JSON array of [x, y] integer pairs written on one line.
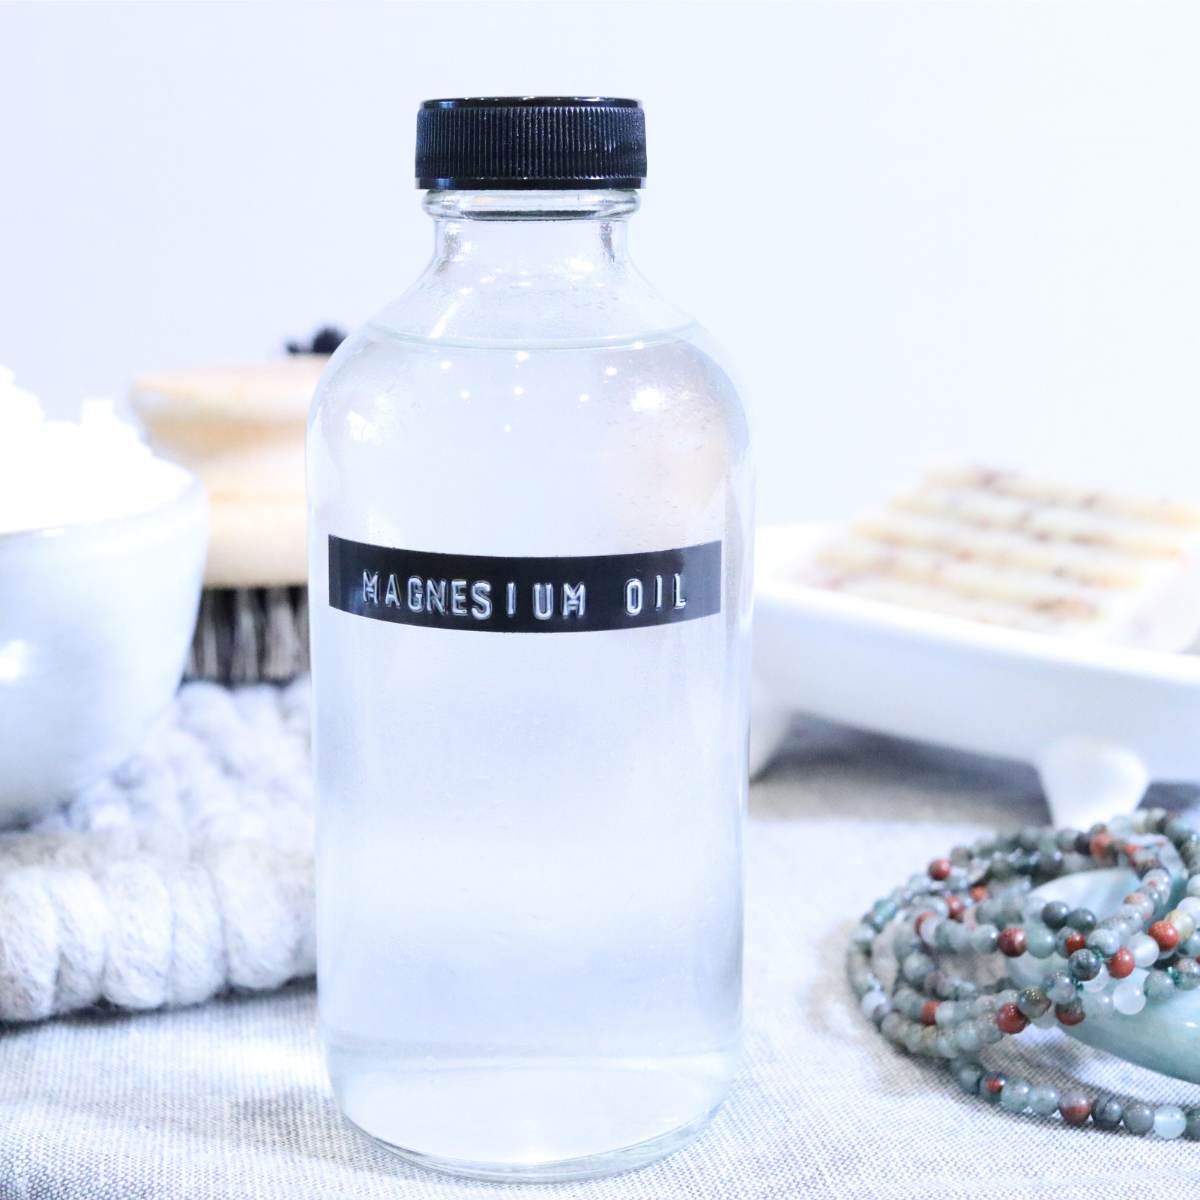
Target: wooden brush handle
[[241, 429]]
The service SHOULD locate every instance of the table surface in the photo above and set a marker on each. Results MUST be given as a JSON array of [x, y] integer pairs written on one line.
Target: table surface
[[228, 1101]]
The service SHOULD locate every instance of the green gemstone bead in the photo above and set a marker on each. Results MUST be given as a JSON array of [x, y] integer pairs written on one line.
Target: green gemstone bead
[[1158, 985], [1107, 1112], [1060, 987], [1187, 974], [1082, 919], [969, 1076], [1033, 1003], [1139, 1118]]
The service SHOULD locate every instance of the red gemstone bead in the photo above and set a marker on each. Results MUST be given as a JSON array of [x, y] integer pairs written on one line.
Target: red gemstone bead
[[929, 1012], [1076, 1112], [994, 1084], [1012, 941], [1121, 964], [1075, 941], [1069, 1014], [921, 918], [955, 907], [939, 868], [1010, 1019], [1165, 934], [1101, 844], [979, 893]]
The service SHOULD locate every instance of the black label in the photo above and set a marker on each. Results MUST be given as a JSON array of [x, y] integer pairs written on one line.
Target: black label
[[525, 595]]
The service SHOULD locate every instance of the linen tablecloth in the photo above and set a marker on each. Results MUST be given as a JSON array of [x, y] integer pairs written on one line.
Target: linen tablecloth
[[227, 1101]]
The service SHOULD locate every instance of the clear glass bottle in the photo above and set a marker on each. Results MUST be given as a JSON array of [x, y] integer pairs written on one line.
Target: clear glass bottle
[[530, 794]]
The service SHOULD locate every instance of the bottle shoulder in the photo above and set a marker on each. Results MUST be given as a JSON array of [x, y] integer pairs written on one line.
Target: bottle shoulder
[[386, 363], [380, 380], [571, 305]]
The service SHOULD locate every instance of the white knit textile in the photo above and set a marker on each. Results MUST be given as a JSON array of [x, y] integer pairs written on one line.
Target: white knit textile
[[187, 872], [228, 1101]]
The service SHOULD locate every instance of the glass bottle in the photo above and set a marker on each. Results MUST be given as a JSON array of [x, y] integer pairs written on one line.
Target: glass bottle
[[530, 536]]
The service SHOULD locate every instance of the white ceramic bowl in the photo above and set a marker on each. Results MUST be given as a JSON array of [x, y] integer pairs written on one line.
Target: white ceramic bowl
[[95, 623]]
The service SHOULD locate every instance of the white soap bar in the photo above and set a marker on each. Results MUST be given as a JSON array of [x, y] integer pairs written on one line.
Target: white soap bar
[[1008, 549]]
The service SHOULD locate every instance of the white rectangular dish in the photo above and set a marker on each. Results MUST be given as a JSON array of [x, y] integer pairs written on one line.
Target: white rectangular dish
[[1100, 722]]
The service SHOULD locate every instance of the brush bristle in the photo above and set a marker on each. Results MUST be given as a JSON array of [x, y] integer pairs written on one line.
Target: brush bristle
[[250, 635]]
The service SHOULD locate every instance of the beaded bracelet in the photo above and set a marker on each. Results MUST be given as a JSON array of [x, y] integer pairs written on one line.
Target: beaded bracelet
[[936, 1013], [1080, 938], [1116, 948]]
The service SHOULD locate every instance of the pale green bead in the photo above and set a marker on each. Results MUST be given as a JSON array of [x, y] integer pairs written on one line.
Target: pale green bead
[[958, 936], [1044, 1100], [1105, 942], [1015, 1096], [862, 935], [1128, 997], [1184, 922], [916, 966], [1169, 1120], [1039, 941], [949, 1012], [1144, 950], [966, 1037], [983, 940], [989, 1033]]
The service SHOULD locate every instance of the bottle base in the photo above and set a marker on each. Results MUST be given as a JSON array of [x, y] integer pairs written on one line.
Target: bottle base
[[592, 1166]]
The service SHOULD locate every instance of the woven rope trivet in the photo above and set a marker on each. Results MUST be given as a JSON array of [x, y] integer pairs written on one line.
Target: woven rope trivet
[[187, 872]]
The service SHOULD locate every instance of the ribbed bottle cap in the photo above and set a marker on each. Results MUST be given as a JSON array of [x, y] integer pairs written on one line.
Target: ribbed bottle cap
[[534, 142]]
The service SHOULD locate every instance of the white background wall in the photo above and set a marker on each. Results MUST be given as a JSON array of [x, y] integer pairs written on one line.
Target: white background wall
[[922, 231]]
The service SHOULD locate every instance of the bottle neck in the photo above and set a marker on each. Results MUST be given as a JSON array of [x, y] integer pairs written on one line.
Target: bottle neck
[[511, 267], [573, 235]]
